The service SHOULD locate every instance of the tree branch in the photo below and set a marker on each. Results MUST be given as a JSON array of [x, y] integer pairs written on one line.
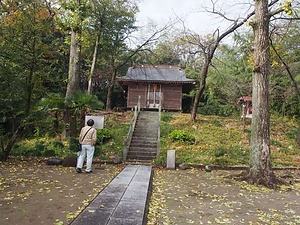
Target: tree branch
[[286, 67]]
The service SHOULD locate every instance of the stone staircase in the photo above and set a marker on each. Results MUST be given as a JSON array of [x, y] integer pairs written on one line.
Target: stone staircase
[[143, 146]]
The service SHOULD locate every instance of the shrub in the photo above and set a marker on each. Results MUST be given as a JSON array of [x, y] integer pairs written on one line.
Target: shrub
[[292, 133], [105, 134], [181, 135], [220, 152], [73, 144], [166, 117]]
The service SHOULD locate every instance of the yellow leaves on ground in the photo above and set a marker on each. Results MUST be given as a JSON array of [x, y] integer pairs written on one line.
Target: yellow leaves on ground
[[196, 197], [58, 193]]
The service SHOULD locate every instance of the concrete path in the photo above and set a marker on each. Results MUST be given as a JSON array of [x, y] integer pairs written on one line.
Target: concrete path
[[123, 202]]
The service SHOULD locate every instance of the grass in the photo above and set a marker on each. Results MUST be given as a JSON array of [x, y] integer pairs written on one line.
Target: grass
[[218, 140], [224, 141], [115, 130]]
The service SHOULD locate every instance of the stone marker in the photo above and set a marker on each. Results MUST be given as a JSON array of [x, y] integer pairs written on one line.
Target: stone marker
[[171, 159]]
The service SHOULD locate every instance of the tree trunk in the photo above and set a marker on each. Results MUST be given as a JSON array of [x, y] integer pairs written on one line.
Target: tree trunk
[[74, 76], [7, 150], [110, 90], [66, 124], [90, 90], [29, 90], [260, 171], [298, 136], [201, 89], [73, 82]]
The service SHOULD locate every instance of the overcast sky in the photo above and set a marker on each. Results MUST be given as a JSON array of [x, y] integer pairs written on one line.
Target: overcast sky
[[192, 11]]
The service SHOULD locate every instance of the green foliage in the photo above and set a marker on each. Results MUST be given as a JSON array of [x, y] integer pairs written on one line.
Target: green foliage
[[224, 141], [231, 156], [45, 147], [292, 133], [220, 152], [166, 117], [103, 135], [217, 109], [181, 135], [82, 100], [216, 123], [165, 54], [114, 146], [73, 144], [276, 143]]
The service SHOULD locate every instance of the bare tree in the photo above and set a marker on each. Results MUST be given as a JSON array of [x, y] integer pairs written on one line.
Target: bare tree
[[157, 33], [294, 82], [260, 171], [208, 50]]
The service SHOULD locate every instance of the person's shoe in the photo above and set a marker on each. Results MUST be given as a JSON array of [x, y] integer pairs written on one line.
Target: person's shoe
[[89, 171], [78, 170]]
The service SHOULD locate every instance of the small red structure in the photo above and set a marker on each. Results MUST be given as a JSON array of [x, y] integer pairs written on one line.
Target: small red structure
[[246, 103]]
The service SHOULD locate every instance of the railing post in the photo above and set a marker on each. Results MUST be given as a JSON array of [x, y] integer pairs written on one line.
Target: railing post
[[139, 103], [127, 140], [158, 132]]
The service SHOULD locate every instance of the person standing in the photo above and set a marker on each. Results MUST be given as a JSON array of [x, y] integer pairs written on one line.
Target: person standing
[[87, 139]]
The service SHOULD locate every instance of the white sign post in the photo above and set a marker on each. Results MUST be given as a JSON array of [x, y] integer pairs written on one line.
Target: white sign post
[[98, 121], [98, 124]]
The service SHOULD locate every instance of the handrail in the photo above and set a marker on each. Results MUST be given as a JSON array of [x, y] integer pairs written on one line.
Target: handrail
[[158, 132], [128, 138]]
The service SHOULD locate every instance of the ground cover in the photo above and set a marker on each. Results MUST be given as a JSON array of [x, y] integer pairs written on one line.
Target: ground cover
[[34, 193], [225, 140], [194, 196]]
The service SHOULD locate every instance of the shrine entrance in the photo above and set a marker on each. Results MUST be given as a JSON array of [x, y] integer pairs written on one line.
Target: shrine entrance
[[153, 96]]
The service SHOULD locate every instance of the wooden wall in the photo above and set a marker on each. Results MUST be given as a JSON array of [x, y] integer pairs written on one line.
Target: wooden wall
[[172, 96], [134, 91]]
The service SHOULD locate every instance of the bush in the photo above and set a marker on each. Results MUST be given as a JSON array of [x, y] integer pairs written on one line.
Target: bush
[[181, 135], [73, 144], [217, 109], [220, 152], [105, 134], [166, 117]]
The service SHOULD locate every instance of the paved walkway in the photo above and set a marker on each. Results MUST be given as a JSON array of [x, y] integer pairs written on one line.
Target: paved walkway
[[123, 202]]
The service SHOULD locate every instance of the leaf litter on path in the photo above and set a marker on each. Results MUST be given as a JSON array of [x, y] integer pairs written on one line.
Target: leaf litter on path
[[196, 197], [34, 193]]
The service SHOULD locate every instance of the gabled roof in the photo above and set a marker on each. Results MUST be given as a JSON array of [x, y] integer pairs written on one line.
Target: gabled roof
[[245, 99], [158, 74]]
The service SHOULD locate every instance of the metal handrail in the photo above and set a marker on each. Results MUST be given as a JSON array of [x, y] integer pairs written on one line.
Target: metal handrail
[[158, 132], [128, 138]]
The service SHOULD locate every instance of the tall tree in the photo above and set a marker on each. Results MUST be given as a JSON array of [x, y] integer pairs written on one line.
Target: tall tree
[[260, 171], [73, 17], [260, 162], [208, 49], [26, 28]]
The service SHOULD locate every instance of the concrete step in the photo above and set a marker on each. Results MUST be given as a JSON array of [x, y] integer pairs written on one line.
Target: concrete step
[[145, 129], [144, 138], [139, 162], [140, 157], [144, 150], [143, 145], [140, 154]]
